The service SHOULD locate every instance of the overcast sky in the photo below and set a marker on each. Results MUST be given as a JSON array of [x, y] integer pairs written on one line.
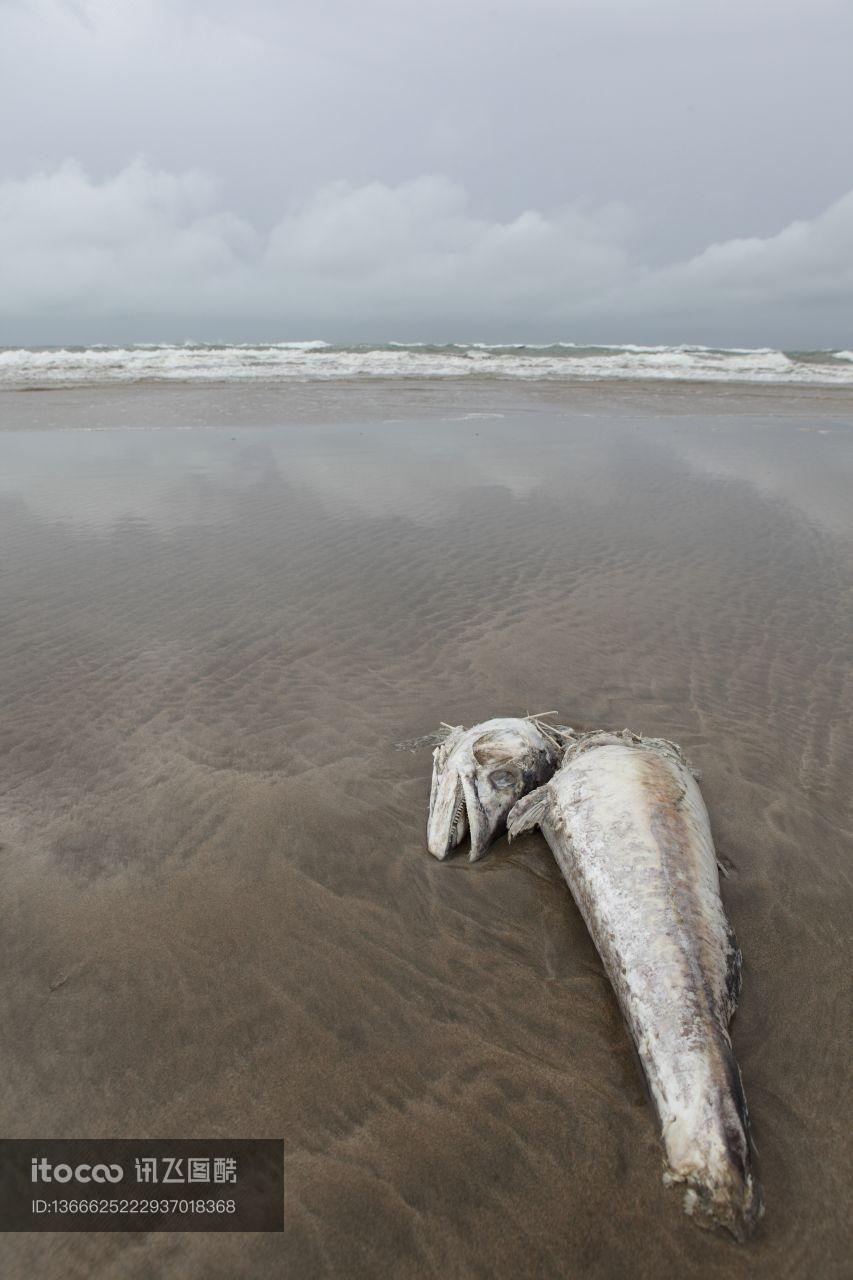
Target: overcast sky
[[584, 170]]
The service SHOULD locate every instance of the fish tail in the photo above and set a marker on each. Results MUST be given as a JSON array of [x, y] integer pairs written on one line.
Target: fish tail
[[734, 1202], [709, 1151]]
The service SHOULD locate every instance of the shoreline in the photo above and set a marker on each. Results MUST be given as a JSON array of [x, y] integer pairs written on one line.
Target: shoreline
[[273, 402]]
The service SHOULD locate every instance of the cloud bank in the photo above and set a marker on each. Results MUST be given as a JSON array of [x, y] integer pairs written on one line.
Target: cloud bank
[[147, 254]]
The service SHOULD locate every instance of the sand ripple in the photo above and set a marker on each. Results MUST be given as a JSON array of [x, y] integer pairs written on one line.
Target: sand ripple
[[211, 641]]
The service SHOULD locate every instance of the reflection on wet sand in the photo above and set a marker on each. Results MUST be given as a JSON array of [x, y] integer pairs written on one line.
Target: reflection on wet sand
[[222, 917]]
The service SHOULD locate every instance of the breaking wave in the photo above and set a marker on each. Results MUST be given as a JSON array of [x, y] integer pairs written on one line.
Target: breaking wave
[[319, 360]]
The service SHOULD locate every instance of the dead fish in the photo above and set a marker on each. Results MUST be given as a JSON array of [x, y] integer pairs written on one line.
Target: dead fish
[[477, 776], [626, 822]]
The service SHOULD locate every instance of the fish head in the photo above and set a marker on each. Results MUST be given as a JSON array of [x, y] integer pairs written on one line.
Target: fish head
[[478, 775]]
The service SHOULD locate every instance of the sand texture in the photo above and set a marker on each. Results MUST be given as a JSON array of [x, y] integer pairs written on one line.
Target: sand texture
[[219, 915]]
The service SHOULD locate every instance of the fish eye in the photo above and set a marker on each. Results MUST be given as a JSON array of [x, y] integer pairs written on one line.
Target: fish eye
[[502, 778]]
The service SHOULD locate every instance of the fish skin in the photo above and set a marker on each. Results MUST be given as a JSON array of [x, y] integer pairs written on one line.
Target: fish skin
[[628, 826]]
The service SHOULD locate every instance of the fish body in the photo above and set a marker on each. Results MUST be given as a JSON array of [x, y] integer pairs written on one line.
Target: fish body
[[626, 822]]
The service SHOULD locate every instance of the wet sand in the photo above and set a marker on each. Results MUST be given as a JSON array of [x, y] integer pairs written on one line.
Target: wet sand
[[219, 914]]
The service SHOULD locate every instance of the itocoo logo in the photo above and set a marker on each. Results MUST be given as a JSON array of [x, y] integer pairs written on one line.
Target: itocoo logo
[[43, 1171]]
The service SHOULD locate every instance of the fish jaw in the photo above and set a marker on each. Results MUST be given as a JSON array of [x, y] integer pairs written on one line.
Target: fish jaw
[[448, 816], [478, 775]]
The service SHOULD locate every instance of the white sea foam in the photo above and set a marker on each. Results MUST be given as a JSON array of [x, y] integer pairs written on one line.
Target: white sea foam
[[320, 360]]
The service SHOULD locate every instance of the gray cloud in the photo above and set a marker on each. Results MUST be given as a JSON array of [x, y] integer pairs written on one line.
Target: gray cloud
[[597, 171], [412, 260]]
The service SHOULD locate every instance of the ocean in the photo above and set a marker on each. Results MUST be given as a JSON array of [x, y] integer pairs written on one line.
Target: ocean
[[315, 359]]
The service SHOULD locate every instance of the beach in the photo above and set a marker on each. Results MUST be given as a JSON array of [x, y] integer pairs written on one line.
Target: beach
[[225, 607]]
